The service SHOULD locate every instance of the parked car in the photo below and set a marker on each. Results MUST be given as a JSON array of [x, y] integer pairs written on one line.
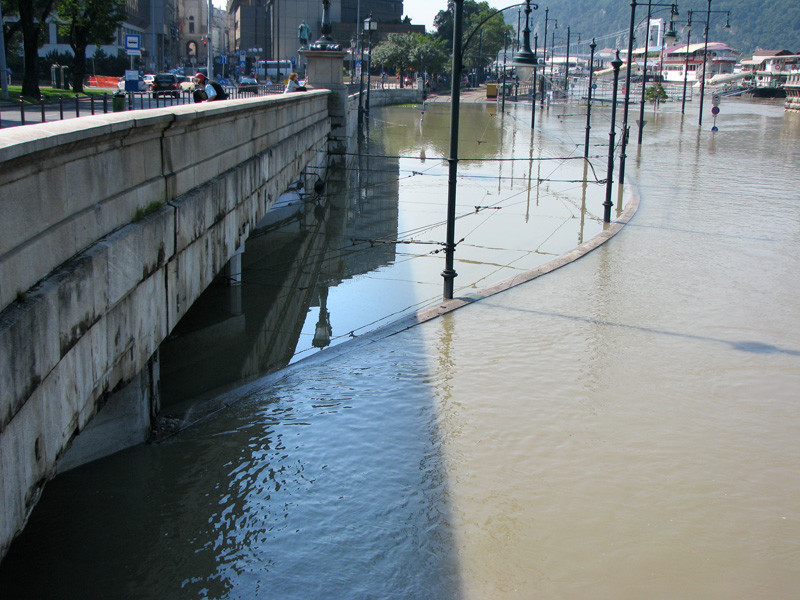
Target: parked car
[[248, 85], [166, 84], [148, 81], [141, 85]]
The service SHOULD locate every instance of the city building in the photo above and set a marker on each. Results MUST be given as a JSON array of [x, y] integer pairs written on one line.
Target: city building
[[769, 68], [268, 29], [193, 33], [721, 60]]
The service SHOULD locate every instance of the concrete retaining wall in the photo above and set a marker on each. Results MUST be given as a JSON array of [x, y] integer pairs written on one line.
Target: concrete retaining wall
[[89, 290]]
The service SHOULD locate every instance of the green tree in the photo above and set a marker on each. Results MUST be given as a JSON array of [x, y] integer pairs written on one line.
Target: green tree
[[85, 22], [483, 33], [655, 93], [33, 16], [428, 54], [395, 53]]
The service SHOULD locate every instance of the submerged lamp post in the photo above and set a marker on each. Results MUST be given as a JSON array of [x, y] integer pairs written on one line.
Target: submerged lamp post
[[624, 145], [544, 52], [616, 64], [449, 273], [705, 53], [592, 47], [686, 62], [533, 87], [674, 14]]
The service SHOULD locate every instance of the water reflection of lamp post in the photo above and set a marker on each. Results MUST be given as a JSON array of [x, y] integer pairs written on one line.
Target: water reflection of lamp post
[[449, 273], [322, 330], [616, 64]]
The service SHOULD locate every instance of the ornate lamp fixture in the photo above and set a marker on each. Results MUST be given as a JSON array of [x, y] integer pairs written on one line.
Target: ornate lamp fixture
[[325, 41]]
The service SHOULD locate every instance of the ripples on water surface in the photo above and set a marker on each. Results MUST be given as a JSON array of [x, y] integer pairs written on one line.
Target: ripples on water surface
[[626, 427]]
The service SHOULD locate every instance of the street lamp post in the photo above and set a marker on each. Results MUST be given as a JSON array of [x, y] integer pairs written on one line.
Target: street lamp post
[[544, 52], [505, 53], [566, 68], [592, 47], [624, 144], [370, 25], [650, 5], [616, 64], [705, 64], [686, 62], [361, 82], [533, 88]]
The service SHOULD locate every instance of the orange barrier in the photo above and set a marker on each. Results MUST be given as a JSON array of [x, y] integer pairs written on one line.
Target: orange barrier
[[103, 81]]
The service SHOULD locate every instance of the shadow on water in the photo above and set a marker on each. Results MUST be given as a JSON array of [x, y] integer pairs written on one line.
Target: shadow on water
[[299, 489]]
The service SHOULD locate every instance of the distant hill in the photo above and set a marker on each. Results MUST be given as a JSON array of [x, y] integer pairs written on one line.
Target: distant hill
[[773, 25]]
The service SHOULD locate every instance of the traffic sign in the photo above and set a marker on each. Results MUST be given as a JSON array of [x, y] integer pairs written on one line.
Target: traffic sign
[[715, 98], [715, 110], [133, 41]]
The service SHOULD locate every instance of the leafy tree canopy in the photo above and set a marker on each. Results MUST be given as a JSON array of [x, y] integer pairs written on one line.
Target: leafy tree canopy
[[86, 22], [418, 51], [483, 34]]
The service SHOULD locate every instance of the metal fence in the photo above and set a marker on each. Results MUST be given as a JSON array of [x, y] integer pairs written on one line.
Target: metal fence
[[579, 89], [26, 113]]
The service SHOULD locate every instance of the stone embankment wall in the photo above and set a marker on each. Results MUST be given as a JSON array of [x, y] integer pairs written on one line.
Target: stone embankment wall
[[110, 227]]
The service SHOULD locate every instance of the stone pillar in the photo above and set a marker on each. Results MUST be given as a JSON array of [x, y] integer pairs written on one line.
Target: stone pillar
[[233, 277], [124, 421], [325, 72]]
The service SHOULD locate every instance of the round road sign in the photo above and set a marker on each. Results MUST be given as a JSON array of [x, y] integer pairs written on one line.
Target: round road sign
[[715, 110]]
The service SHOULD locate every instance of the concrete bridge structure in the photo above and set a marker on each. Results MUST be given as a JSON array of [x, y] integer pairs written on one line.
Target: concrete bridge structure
[[110, 227]]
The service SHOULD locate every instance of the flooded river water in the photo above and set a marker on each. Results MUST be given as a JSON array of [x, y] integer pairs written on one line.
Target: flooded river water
[[625, 427]]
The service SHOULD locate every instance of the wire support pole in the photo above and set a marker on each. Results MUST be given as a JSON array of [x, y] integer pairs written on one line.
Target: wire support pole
[[449, 273], [616, 64]]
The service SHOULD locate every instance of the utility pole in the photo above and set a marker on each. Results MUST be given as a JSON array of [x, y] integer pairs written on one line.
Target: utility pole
[[3, 66], [210, 57], [449, 273]]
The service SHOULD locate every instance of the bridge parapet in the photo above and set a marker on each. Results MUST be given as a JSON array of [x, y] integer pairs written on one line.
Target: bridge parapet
[[110, 227]]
